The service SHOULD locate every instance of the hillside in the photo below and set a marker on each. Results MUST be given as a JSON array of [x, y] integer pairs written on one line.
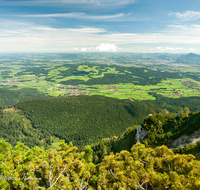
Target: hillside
[[85, 120], [16, 127], [163, 128], [170, 129], [79, 119], [175, 104], [10, 97], [189, 58]]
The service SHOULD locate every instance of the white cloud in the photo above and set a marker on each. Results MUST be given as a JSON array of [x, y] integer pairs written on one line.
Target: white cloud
[[107, 47], [187, 15], [166, 49], [169, 48], [192, 50], [28, 37], [91, 49], [95, 2], [78, 15], [173, 49], [84, 49], [58, 2], [177, 26], [75, 49], [159, 48], [181, 30], [43, 28], [86, 30]]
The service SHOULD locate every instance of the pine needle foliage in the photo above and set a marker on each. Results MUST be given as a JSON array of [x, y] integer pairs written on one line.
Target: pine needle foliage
[[65, 168]]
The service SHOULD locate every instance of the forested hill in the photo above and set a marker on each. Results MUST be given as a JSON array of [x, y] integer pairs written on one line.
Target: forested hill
[[10, 97], [189, 58], [170, 129], [78, 119]]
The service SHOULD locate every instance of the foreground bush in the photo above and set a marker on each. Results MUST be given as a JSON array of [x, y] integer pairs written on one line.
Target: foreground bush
[[65, 168], [147, 168]]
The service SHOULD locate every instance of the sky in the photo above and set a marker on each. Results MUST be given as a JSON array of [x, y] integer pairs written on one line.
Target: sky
[[139, 26]]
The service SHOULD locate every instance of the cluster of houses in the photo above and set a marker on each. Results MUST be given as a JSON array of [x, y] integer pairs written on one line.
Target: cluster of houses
[[71, 90]]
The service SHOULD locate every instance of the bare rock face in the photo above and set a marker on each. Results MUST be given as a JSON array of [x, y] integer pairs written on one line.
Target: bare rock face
[[185, 139], [177, 115], [140, 134]]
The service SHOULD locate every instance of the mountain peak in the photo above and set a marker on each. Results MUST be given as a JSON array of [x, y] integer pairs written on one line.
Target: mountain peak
[[189, 58]]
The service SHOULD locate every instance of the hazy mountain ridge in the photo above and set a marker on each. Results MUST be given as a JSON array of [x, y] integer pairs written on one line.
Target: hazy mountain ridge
[[189, 58]]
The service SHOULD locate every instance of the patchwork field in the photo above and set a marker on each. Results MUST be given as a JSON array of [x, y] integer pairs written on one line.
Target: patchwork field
[[134, 81]]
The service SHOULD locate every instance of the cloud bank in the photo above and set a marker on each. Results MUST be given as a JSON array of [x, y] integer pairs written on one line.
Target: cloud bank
[[192, 50], [84, 49], [168, 48], [29, 37], [107, 47]]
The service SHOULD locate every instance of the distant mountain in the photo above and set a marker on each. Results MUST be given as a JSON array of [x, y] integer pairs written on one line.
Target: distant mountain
[[189, 58]]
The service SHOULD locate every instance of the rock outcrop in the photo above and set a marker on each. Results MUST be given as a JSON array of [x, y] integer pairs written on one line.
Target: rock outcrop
[[140, 134]]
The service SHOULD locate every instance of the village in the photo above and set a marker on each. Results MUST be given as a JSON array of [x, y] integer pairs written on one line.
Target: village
[[71, 90]]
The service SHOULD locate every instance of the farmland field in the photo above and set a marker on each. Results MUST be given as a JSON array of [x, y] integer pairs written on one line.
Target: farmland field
[[137, 77]]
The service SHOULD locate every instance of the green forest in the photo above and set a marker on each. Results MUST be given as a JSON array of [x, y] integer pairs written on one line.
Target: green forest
[[86, 120], [79, 119], [162, 129], [11, 97]]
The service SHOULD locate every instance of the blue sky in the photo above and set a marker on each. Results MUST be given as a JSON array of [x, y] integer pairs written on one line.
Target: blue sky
[[145, 26]]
